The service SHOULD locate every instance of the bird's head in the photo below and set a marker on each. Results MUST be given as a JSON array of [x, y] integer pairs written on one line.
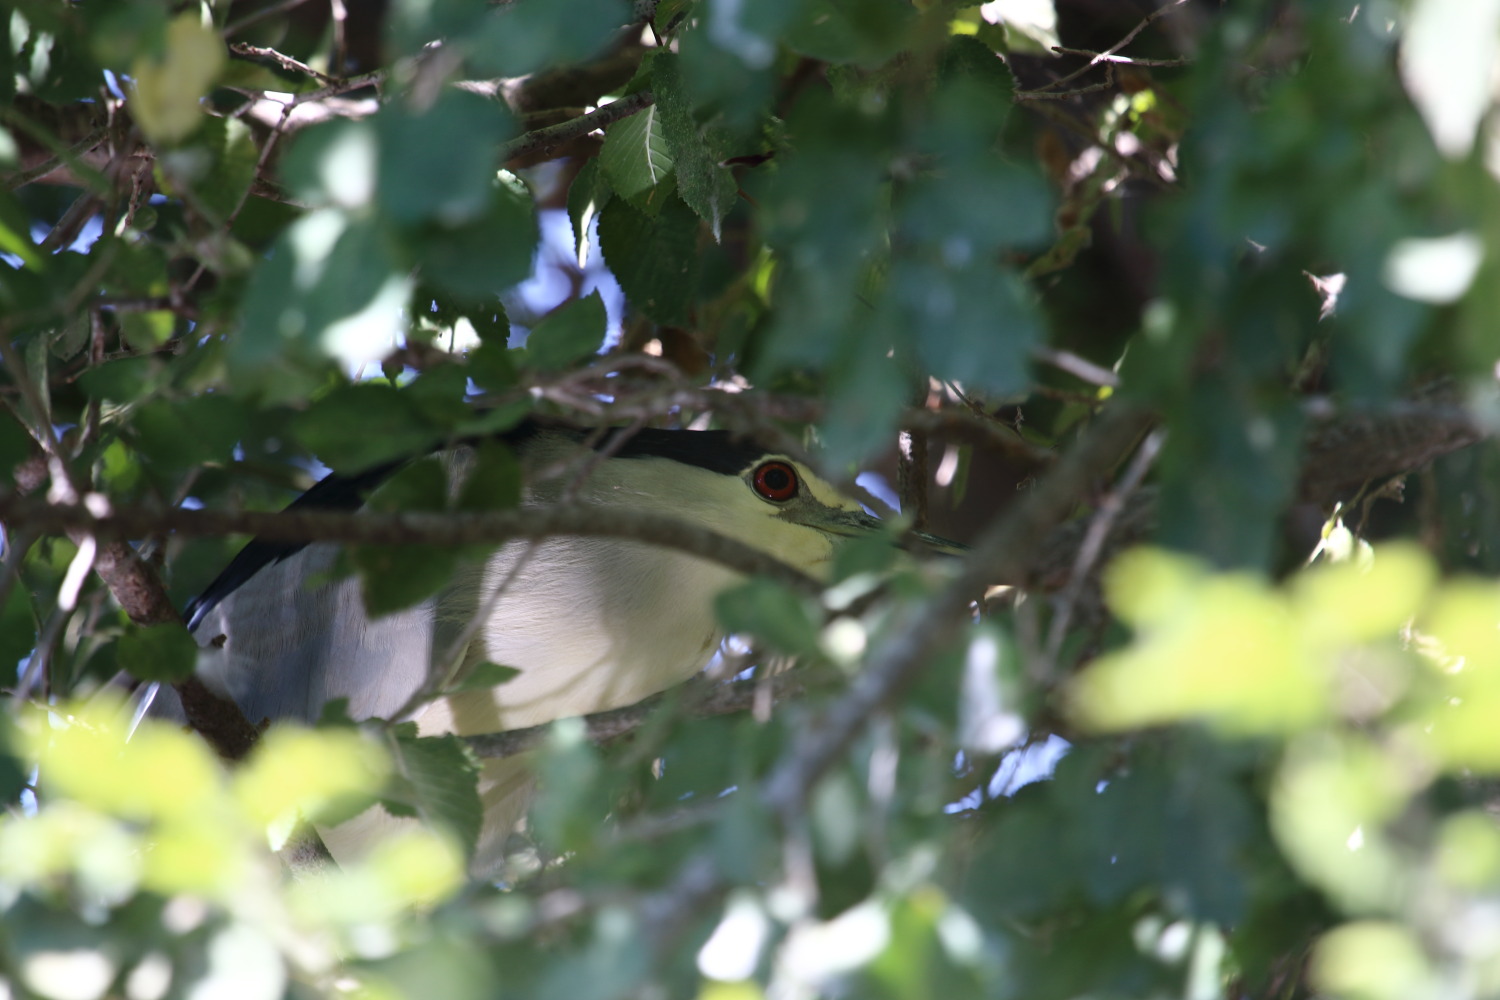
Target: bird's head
[[763, 498]]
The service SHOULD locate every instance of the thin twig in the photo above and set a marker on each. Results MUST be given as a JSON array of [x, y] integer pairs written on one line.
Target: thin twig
[[1041, 93], [1080, 368], [1122, 60], [699, 700], [555, 135], [244, 196], [286, 62], [1093, 543], [1108, 83], [21, 178], [72, 222]]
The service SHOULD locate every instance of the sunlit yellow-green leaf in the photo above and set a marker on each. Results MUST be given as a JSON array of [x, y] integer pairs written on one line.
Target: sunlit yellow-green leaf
[[1329, 803], [160, 773], [418, 868], [1468, 850], [1223, 648], [1145, 586], [1363, 600], [210, 857], [167, 91], [67, 838], [745, 989], [1370, 960], [305, 771], [1465, 619], [176, 772], [1460, 732]]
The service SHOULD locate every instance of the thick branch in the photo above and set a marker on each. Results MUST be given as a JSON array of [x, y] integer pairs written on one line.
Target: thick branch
[[1344, 451]]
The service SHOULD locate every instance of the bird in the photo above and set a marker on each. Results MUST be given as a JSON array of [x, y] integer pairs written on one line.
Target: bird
[[589, 623]]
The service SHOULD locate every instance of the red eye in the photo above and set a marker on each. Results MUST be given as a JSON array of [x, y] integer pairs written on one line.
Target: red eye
[[776, 481]]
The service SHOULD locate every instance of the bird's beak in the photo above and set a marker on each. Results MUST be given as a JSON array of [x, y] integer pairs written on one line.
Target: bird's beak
[[933, 543], [855, 523]]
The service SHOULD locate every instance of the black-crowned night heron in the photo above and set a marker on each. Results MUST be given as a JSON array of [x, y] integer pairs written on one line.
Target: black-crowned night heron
[[592, 623]]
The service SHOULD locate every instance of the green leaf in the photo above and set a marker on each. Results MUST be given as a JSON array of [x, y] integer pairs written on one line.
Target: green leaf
[[396, 577], [335, 712], [742, 838], [16, 444], [446, 310], [708, 188], [866, 35], [124, 380], [771, 612], [438, 395], [236, 156], [146, 331], [655, 260], [587, 196], [493, 480], [331, 290], [975, 324], [488, 254], [568, 334], [334, 163], [441, 783], [440, 164], [218, 423], [355, 427], [496, 419], [493, 367], [13, 776], [18, 624], [15, 235], [527, 35], [159, 653], [573, 790], [419, 485], [635, 156], [482, 677]]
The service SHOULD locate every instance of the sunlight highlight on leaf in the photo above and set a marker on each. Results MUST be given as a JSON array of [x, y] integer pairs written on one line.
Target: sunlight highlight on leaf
[[1363, 600], [1371, 960], [167, 91], [1329, 804], [307, 771], [1226, 648]]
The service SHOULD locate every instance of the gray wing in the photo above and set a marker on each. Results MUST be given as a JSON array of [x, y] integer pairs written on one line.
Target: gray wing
[[280, 640], [285, 641]]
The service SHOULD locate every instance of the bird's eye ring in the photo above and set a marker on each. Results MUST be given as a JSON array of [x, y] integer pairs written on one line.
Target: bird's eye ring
[[776, 481]]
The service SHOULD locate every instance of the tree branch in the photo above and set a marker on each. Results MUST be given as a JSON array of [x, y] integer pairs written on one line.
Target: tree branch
[[405, 528], [701, 699], [544, 139], [1344, 450]]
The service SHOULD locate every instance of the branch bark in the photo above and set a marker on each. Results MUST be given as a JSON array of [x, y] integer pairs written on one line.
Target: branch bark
[[406, 528], [700, 699]]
